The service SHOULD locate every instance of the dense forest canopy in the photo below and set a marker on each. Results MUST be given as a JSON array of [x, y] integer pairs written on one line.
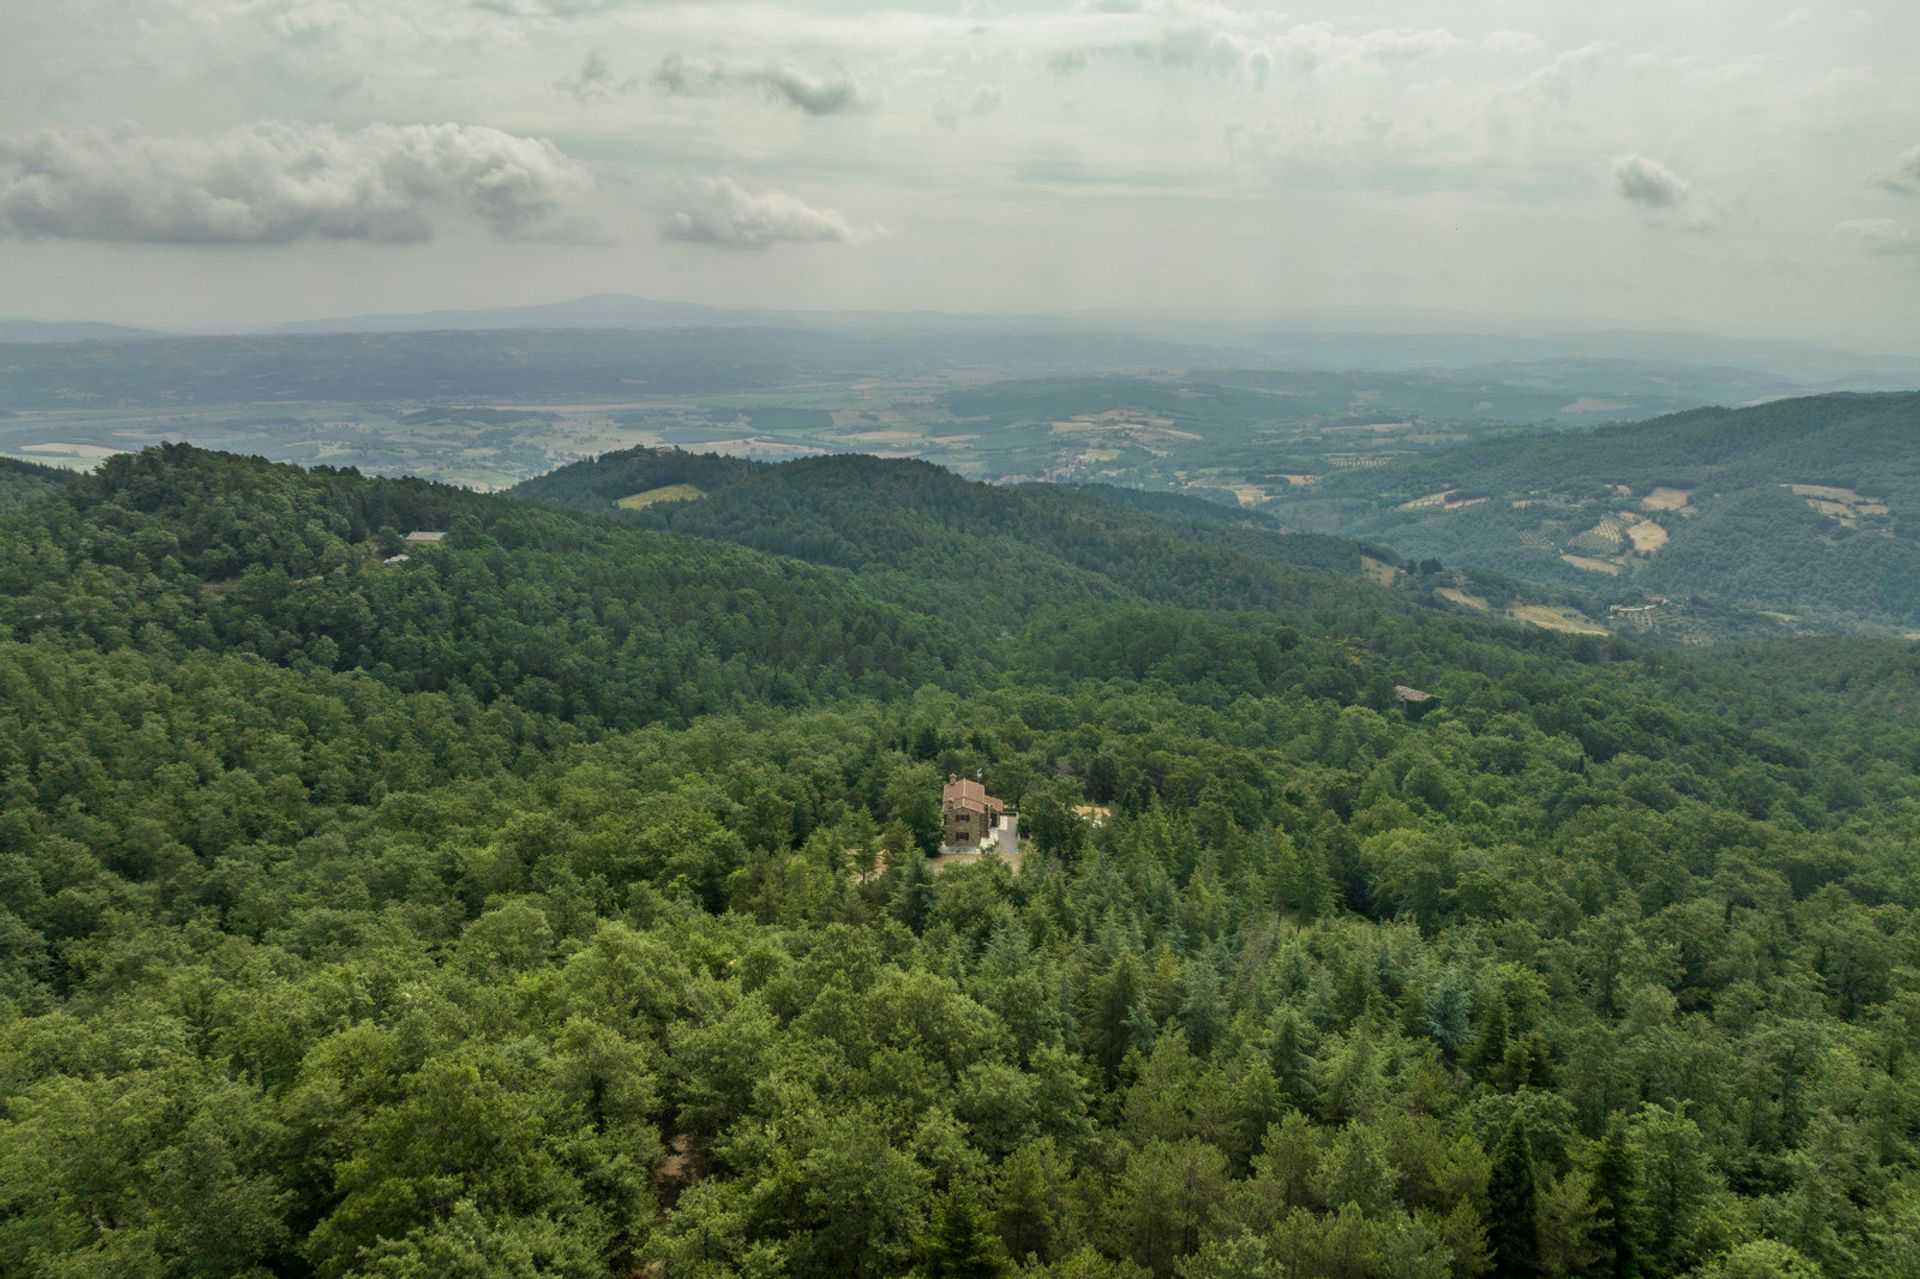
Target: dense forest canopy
[[23, 482], [559, 900], [950, 545]]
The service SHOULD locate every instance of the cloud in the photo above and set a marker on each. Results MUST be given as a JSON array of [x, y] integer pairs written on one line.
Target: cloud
[[987, 99], [1882, 237], [791, 85], [277, 183], [1649, 183], [723, 212], [1902, 177], [553, 8], [1555, 81], [1204, 36], [1511, 41], [595, 79], [1666, 198]]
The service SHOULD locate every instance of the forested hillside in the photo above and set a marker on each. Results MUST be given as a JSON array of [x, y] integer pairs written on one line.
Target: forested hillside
[[951, 545], [557, 901], [1807, 506]]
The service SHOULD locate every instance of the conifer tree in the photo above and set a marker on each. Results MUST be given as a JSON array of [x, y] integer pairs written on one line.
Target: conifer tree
[[1512, 1228], [1490, 1042], [960, 1242], [1616, 1203]]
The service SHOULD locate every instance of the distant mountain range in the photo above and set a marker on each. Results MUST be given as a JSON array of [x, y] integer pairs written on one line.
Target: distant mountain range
[[33, 332], [1324, 338], [600, 311], [1327, 338]]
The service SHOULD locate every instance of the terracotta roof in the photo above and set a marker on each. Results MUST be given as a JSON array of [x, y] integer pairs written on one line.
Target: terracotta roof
[[960, 788], [961, 793]]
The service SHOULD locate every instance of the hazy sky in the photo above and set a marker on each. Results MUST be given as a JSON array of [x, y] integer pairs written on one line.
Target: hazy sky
[[231, 161]]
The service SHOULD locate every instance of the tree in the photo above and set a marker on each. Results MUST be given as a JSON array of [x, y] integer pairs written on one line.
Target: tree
[[1513, 1230], [1025, 1194], [1449, 1002], [913, 898], [1679, 1188], [959, 1242], [1490, 1040], [1616, 1202], [1760, 1259], [1301, 885]]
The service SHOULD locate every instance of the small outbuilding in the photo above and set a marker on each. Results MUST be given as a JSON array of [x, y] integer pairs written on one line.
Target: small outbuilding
[[426, 537]]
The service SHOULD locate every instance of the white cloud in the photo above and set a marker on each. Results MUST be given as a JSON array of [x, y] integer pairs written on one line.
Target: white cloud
[[1667, 200], [553, 8], [1882, 237], [1213, 38], [788, 84], [276, 183], [1511, 41], [1902, 177], [1554, 82], [1649, 183], [721, 211], [1708, 72]]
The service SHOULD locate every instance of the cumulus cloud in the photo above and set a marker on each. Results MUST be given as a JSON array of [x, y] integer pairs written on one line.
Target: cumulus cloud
[[277, 183], [1902, 177], [1667, 199], [1882, 237], [1649, 183], [788, 84], [721, 211]]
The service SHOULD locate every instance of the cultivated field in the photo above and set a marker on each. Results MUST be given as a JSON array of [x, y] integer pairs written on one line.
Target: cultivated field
[[665, 493], [1550, 618]]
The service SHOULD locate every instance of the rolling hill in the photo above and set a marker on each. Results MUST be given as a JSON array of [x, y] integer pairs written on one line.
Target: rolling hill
[[1808, 507], [958, 547]]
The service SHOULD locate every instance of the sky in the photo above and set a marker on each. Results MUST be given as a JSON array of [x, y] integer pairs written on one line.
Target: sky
[[222, 163]]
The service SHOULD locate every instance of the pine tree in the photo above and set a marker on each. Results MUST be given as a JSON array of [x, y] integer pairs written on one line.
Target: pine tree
[[1301, 885], [913, 899], [1512, 1228], [1447, 1012], [960, 1242], [1616, 1203], [1288, 1052], [1025, 1209], [1490, 1043]]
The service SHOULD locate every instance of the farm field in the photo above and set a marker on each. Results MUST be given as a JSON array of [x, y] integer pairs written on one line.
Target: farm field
[[1193, 431], [1556, 619], [654, 496]]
